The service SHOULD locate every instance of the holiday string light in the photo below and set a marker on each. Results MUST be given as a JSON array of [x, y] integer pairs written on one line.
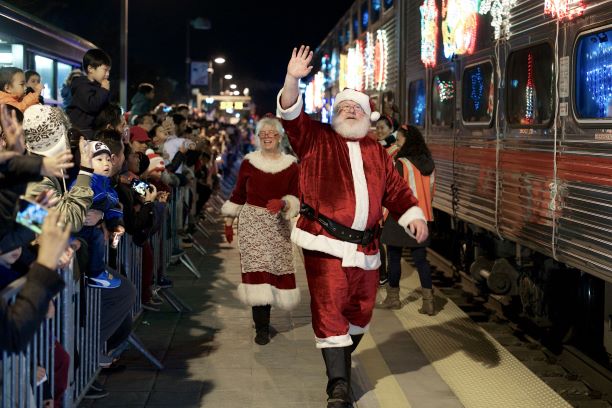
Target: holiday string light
[[564, 9], [369, 61], [477, 87], [342, 83], [318, 90], [446, 89], [459, 26], [309, 98], [429, 32], [529, 92], [419, 109], [500, 15], [597, 72], [380, 60], [333, 72]]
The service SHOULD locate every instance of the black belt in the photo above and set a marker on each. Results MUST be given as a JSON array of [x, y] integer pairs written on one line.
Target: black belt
[[340, 231]]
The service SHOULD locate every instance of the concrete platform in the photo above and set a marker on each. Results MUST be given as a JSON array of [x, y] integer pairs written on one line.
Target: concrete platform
[[406, 360]]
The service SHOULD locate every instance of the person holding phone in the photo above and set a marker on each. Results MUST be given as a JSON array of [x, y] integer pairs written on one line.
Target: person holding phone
[[20, 320]]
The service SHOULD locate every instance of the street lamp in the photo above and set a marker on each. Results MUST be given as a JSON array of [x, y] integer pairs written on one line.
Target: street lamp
[[233, 86], [227, 76], [219, 60], [211, 71]]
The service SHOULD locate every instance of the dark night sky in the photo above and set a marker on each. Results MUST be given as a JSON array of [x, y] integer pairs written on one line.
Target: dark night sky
[[255, 37]]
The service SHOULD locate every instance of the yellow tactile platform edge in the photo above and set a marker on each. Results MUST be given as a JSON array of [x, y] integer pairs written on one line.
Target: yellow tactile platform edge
[[480, 371]]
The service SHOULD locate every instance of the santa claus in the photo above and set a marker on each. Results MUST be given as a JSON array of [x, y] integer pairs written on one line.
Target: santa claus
[[346, 179]]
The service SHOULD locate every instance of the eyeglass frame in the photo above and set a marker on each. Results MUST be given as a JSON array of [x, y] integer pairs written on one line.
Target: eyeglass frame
[[343, 107]]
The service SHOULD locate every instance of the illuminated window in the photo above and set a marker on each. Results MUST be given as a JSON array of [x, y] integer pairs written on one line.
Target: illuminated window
[[365, 16], [44, 66], [593, 82], [530, 83], [347, 31], [416, 103], [388, 4], [478, 93], [63, 70], [375, 10], [443, 99], [355, 26], [11, 55]]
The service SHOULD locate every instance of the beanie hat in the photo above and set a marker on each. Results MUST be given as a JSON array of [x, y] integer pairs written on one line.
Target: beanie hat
[[156, 163], [98, 148], [45, 129], [367, 104]]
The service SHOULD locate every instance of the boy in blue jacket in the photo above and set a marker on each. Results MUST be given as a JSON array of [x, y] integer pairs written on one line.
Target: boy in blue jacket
[[106, 200], [91, 92]]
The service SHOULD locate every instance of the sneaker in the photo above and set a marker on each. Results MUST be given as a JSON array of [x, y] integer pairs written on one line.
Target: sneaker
[[103, 281], [149, 306], [95, 394], [156, 301], [164, 282], [383, 281], [105, 360]]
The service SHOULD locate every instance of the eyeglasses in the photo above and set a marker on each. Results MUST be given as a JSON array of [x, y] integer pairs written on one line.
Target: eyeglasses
[[349, 108], [270, 133]]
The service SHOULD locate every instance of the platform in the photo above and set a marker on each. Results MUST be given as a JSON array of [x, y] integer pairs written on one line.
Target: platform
[[406, 360]]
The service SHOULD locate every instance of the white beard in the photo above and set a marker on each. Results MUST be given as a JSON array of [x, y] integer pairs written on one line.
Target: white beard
[[350, 129]]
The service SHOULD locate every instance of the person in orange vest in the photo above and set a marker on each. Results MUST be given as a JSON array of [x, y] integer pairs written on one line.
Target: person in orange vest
[[416, 166]]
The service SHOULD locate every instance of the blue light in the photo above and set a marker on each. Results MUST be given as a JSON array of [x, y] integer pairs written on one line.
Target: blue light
[[376, 5], [515, 83], [594, 76], [388, 3], [477, 87]]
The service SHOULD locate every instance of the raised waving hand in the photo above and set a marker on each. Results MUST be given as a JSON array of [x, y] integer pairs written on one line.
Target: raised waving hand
[[299, 64]]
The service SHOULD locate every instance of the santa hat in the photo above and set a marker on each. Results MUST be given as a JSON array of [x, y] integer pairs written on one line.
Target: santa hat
[[367, 104], [98, 148], [156, 163]]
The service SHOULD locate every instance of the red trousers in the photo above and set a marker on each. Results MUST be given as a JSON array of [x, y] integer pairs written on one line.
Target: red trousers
[[341, 299]]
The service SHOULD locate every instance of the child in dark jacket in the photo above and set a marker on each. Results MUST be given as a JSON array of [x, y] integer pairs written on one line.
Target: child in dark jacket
[[90, 93], [106, 200]]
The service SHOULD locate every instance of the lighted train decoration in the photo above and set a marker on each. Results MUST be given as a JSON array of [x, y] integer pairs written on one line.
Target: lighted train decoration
[[515, 100]]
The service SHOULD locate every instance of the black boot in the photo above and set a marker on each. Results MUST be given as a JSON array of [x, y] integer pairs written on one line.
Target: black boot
[[338, 367], [261, 317], [356, 339]]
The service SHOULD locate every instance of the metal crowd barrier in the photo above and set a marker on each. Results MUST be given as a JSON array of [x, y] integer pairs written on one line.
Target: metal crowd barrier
[[78, 330]]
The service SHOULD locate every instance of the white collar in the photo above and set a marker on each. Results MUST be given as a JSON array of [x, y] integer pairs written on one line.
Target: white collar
[[269, 165]]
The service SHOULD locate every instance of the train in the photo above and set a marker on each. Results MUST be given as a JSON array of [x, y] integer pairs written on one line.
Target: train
[[514, 98], [28, 42]]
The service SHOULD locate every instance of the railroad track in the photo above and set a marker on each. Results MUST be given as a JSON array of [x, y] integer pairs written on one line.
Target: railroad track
[[579, 380]]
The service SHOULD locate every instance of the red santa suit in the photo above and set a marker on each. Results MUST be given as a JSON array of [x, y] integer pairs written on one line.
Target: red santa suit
[[266, 259], [349, 182]]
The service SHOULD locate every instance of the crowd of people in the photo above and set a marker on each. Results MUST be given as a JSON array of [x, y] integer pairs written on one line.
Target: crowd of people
[[76, 179], [99, 173]]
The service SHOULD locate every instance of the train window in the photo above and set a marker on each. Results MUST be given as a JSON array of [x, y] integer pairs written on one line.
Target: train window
[[365, 16], [375, 10], [443, 99], [11, 55], [530, 84], [593, 83], [388, 4], [63, 70], [416, 103], [355, 26], [478, 93], [44, 66], [347, 33]]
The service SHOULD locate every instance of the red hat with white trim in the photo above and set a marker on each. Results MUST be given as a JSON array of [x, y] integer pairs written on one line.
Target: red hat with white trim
[[366, 103], [156, 163]]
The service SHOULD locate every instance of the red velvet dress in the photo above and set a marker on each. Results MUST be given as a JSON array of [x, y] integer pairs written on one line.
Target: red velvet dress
[[266, 259]]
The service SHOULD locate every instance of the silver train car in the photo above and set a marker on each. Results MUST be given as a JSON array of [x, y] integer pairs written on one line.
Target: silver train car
[[27, 42], [515, 102]]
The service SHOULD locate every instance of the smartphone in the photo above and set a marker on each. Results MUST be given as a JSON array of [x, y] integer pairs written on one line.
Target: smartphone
[[31, 215], [140, 187], [167, 109]]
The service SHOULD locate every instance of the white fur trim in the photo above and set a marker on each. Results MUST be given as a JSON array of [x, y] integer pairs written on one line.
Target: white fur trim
[[351, 258], [270, 165], [353, 330], [230, 209], [374, 116], [334, 341], [291, 112], [265, 294], [293, 206], [360, 185], [413, 213]]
